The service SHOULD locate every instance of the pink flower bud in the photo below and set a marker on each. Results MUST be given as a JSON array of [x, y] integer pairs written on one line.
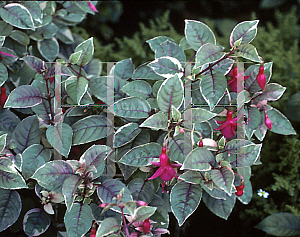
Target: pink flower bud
[[142, 203], [261, 78], [146, 226], [92, 7], [181, 130], [268, 122], [102, 205]]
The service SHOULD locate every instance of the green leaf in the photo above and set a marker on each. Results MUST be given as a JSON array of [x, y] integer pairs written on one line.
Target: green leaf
[[171, 49], [100, 87], [141, 213], [242, 153], [199, 115], [2, 142], [36, 222], [108, 226], [199, 159], [273, 91], [185, 199], [126, 134], [213, 87], [197, 34], [35, 63], [142, 155], [20, 37], [179, 146], [69, 190], [280, 224], [214, 192], [167, 67], [48, 48], [60, 137], [35, 11], [155, 42], [244, 31], [132, 107], [109, 189], [23, 97], [247, 51], [138, 88], [161, 216], [76, 87], [156, 121], [34, 157], [5, 29], [123, 69], [78, 220], [141, 190], [10, 208], [91, 128], [280, 123], [17, 15], [208, 53], [253, 120], [145, 72], [53, 174], [219, 207], [184, 44], [246, 197], [8, 60], [87, 48], [170, 93], [64, 34], [192, 177], [3, 74], [27, 133], [74, 57], [223, 178], [95, 156], [10, 178]]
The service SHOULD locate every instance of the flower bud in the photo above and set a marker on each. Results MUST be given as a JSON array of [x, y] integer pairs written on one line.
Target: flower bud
[[146, 226], [102, 205], [181, 130], [3, 96], [261, 77], [268, 122], [141, 203]]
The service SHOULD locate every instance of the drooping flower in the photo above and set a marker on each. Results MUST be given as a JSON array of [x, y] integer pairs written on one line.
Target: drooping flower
[[228, 127], [234, 77], [92, 7], [262, 193], [166, 170], [261, 77]]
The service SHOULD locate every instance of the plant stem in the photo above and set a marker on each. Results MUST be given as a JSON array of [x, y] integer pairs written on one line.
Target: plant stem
[[125, 224]]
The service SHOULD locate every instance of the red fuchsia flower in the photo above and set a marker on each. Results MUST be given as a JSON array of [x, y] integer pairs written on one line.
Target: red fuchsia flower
[[268, 122], [3, 96], [92, 7], [234, 77], [261, 77], [93, 230], [228, 127], [166, 170]]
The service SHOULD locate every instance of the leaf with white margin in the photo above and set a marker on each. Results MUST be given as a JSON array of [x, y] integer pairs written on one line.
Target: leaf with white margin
[[48, 48], [197, 34], [53, 174], [199, 159], [108, 226], [91, 128], [155, 42], [60, 137], [248, 51], [23, 97], [156, 121], [126, 134], [69, 189], [280, 123], [223, 178], [219, 207], [78, 220], [273, 91], [208, 53], [170, 93], [76, 87], [171, 49], [123, 69], [244, 31], [36, 222], [87, 49], [185, 198], [142, 155], [17, 15], [132, 107], [167, 67], [27, 133], [138, 88], [10, 208], [213, 87]]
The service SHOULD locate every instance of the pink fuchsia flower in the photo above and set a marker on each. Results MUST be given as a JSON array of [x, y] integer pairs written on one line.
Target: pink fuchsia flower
[[50, 197], [268, 122], [234, 77], [92, 7], [166, 170], [228, 126]]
